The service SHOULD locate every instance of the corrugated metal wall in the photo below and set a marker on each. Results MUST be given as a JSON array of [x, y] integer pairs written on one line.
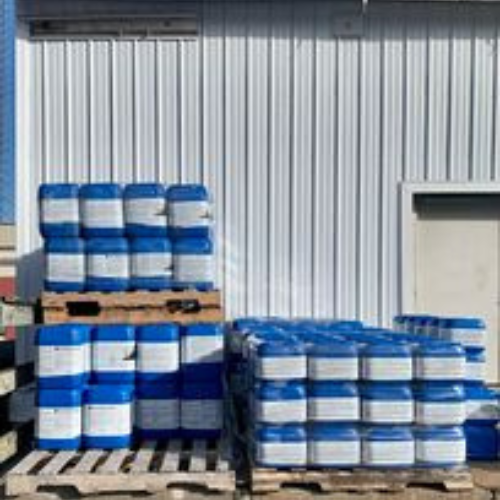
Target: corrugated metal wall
[[302, 137]]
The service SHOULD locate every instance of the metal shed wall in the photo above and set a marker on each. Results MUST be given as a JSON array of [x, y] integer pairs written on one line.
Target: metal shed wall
[[303, 137]]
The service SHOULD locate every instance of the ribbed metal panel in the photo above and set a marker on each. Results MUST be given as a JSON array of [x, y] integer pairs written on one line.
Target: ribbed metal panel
[[303, 137]]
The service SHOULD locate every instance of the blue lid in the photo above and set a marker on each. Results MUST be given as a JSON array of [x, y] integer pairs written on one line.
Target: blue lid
[[144, 190], [443, 433], [66, 334], [59, 191], [387, 350], [440, 350], [104, 191], [194, 246], [108, 394], [187, 192], [281, 433], [203, 330], [333, 348], [249, 323], [150, 245], [332, 432], [202, 390], [106, 245], [64, 245], [388, 391], [280, 391], [465, 323], [113, 333], [475, 355], [157, 391], [480, 393], [326, 389], [280, 347], [388, 433], [162, 332], [59, 398], [439, 392]]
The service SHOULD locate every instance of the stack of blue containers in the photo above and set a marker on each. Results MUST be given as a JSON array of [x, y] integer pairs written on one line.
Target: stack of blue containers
[[99, 387], [109, 237], [482, 406], [337, 394]]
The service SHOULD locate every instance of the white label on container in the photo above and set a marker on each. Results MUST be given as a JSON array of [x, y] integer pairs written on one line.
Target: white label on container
[[334, 452], [158, 357], [103, 213], [158, 414], [277, 412], [193, 268], [59, 423], [388, 453], [146, 211], [189, 213], [108, 266], [207, 349], [388, 411], [107, 420], [151, 265], [333, 409], [113, 356], [429, 368], [482, 410], [387, 369], [202, 414], [282, 453], [465, 336], [59, 211], [447, 452], [439, 413], [57, 361], [333, 368], [281, 367], [475, 370], [65, 268]]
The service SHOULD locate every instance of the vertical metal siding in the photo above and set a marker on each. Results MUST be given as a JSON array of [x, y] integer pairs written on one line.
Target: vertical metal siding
[[302, 137]]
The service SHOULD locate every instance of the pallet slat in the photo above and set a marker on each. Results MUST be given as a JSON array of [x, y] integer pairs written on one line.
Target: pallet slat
[[115, 474]]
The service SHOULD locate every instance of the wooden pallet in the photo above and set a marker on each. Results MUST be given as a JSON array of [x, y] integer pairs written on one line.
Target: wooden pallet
[[152, 468], [133, 307], [362, 480]]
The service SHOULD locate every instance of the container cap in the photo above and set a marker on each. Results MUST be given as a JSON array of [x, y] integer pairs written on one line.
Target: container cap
[[440, 392], [114, 333], [388, 433], [59, 191], [444, 433], [327, 431], [59, 398], [281, 433], [193, 246], [389, 391], [108, 394], [326, 389], [166, 332], [440, 350], [387, 350], [150, 245], [66, 334], [465, 323], [280, 347], [280, 391], [101, 191], [106, 245], [203, 330], [187, 192], [64, 245], [144, 190]]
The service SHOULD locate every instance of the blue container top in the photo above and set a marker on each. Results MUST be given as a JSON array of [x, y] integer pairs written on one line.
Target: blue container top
[[333, 348], [388, 433], [66, 334], [103, 191], [107, 245], [249, 323], [113, 333], [280, 348], [445, 433], [387, 350], [475, 355], [343, 325], [202, 390], [389, 391], [439, 392], [144, 190], [163, 332], [326, 389], [480, 393], [59, 191], [157, 391], [150, 245], [203, 330], [108, 394], [280, 391], [440, 350], [333, 432], [64, 245], [187, 192], [59, 398], [193, 246], [281, 433], [464, 323]]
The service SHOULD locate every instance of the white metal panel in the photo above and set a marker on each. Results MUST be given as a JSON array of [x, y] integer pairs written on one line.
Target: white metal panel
[[302, 137]]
